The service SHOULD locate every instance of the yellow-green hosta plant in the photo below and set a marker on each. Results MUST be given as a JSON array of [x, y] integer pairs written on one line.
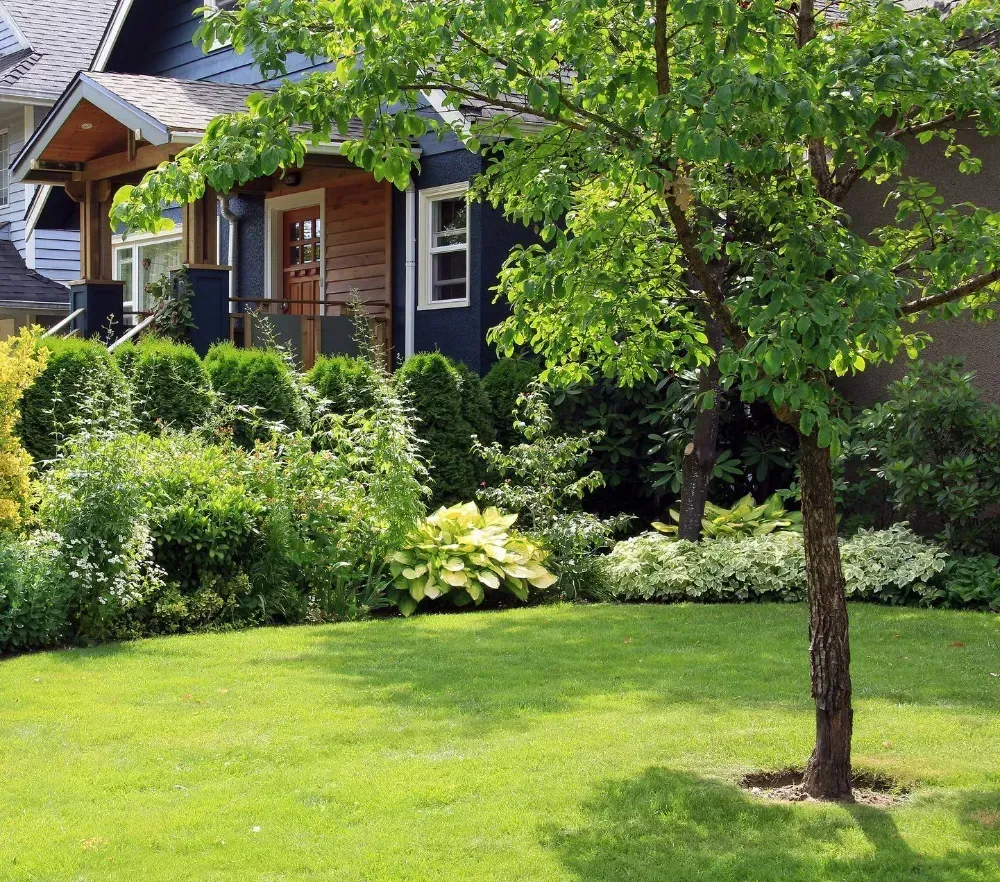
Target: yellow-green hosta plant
[[463, 553]]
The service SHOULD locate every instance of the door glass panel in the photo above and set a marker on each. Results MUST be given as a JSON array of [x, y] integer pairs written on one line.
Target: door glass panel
[[295, 232], [295, 256], [307, 229], [156, 261]]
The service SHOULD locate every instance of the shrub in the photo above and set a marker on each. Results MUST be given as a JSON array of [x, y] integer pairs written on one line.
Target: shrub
[[890, 566], [348, 384], [95, 499], [934, 449], [34, 606], [433, 386], [77, 373], [968, 582], [170, 385], [504, 384], [745, 518], [260, 384], [543, 480], [462, 553], [20, 363]]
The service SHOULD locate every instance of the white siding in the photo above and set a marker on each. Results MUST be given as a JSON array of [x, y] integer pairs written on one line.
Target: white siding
[[8, 39], [12, 119], [57, 254]]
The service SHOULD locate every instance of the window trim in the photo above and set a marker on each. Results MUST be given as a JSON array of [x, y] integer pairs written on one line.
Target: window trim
[[426, 253], [211, 8], [5, 190], [134, 243]]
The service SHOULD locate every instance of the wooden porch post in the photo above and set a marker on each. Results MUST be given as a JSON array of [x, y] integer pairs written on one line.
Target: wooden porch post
[[201, 231], [96, 253]]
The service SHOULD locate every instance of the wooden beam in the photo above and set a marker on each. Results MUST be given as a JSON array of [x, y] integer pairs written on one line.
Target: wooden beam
[[118, 164]]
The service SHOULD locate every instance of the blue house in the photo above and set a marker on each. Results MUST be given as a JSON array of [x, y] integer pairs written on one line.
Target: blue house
[[42, 47], [299, 247]]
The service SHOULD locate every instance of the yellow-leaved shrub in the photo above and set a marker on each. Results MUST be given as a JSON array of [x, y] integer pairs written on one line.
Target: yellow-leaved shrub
[[21, 360]]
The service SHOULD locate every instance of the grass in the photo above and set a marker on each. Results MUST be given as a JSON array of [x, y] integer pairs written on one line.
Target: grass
[[557, 743]]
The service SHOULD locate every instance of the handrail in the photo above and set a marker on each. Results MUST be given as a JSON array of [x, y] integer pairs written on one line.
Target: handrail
[[133, 332], [56, 328]]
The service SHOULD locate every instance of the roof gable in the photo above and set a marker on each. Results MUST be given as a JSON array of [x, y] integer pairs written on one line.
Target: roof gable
[[59, 39]]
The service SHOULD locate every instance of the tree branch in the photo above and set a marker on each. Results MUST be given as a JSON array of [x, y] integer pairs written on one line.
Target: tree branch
[[972, 286]]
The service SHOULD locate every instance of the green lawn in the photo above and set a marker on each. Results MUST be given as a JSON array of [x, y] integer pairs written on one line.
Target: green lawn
[[559, 743]]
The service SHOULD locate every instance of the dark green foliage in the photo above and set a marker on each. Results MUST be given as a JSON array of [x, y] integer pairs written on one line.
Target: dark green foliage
[[932, 452], [169, 382], [34, 608], [971, 582], [434, 387], [478, 413], [347, 383], [644, 430], [260, 383], [505, 382], [77, 370]]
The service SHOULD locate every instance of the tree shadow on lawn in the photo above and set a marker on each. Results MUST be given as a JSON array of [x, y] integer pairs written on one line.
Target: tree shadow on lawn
[[496, 668], [665, 826]]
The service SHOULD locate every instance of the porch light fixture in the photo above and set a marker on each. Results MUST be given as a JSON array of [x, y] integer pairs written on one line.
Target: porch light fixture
[[86, 126], [291, 178]]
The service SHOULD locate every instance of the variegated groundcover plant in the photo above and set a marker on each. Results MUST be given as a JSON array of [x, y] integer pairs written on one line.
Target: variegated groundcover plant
[[462, 553]]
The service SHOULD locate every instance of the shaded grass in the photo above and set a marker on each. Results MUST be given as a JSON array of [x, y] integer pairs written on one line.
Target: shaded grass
[[558, 743]]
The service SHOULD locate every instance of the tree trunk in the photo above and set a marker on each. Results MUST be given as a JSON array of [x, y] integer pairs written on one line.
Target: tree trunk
[[701, 453], [828, 775]]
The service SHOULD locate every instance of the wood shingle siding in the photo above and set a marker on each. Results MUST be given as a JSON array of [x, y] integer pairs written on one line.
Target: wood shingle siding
[[358, 226]]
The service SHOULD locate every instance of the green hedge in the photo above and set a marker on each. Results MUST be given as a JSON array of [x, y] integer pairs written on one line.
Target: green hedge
[[347, 383], [77, 370], [169, 382], [259, 380], [434, 387], [506, 381]]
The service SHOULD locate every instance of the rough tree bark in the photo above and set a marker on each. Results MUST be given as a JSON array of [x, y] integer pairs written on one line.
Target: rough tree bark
[[702, 451], [828, 775]]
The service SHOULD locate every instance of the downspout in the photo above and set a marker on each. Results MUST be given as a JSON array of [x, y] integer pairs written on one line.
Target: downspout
[[410, 310], [234, 251]]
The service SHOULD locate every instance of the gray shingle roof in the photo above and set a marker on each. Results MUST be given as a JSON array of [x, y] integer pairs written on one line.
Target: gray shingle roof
[[183, 105], [63, 36], [20, 285]]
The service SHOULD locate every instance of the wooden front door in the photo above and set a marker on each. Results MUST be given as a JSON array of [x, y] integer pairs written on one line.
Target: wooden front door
[[302, 282]]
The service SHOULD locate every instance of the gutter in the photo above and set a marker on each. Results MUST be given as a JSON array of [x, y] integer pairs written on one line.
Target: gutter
[[234, 247]]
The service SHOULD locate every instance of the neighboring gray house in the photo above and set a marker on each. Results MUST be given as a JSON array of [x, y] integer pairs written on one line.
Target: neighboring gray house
[[43, 44]]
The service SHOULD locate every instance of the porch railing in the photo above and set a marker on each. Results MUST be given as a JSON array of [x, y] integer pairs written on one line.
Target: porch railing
[[308, 328], [59, 329]]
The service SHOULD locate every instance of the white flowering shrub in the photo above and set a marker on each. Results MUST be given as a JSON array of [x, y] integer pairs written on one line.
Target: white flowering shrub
[[892, 565], [34, 606]]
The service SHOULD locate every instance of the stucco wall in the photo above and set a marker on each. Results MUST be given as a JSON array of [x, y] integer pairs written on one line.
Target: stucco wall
[[978, 344]]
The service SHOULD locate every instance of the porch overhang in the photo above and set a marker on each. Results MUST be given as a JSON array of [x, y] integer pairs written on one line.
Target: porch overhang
[[102, 122]]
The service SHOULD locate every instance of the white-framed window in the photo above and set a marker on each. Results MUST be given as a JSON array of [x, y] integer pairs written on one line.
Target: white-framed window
[[214, 6], [144, 259], [4, 168], [444, 247]]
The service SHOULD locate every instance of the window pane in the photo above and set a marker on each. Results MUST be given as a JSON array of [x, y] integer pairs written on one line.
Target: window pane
[[156, 261], [307, 229], [449, 276], [125, 272], [450, 219], [295, 232]]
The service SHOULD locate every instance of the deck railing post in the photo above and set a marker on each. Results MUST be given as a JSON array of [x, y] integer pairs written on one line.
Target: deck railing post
[[103, 308]]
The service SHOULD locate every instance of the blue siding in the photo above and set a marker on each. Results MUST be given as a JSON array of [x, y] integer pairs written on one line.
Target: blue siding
[[459, 333], [57, 254], [158, 40], [8, 39]]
